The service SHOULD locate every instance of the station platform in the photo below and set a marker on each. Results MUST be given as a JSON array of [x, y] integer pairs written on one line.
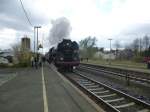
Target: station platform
[[43, 90]]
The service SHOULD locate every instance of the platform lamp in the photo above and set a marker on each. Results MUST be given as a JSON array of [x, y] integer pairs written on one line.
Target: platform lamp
[[37, 27]]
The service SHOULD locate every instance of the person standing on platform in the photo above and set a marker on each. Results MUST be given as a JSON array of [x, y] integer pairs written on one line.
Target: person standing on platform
[[43, 59], [32, 61], [40, 61], [35, 62]]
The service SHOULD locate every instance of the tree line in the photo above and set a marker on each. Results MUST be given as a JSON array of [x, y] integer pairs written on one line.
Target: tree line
[[139, 47]]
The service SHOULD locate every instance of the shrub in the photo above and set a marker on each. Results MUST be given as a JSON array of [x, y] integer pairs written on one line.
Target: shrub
[[24, 59]]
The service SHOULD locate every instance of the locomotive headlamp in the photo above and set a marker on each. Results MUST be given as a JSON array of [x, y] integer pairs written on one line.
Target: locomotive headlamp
[[67, 44], [76, 51], [75, 58], [61, 58]]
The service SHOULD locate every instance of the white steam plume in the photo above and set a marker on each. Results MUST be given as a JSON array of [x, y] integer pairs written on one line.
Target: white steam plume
[[60, 30]]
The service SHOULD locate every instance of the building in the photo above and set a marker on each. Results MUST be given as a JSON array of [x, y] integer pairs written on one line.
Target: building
[[105, 55], [25, 44]]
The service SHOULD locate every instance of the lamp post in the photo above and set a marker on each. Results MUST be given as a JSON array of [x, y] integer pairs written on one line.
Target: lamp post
[[42, 42], [140, 41], [34, 40], [36, 27], [110, 52]]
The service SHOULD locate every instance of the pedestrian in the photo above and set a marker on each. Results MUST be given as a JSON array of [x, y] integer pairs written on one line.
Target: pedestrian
[[40, 61], [32, 61], [43, 59], [35, 63]]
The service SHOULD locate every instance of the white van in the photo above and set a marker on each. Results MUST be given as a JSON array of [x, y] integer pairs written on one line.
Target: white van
[[3, 60]]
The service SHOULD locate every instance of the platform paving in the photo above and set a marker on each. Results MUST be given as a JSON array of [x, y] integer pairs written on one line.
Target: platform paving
[[24, 93]]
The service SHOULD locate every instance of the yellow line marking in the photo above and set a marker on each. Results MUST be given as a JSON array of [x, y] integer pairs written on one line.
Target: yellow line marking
[[44, 93]]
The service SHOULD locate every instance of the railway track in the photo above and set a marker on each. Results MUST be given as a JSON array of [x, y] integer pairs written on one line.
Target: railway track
[[127, 75], [111, 99]]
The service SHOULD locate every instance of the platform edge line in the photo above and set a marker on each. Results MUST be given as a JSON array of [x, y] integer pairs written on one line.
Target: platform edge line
[[44, 93]]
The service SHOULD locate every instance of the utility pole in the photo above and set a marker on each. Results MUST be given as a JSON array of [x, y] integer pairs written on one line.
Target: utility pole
[[140, 46], [36, 27], [42, 42], [34, 40], [110, 52], [37, 40]]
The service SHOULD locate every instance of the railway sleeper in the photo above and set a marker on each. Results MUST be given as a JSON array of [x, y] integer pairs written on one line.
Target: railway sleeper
[[115, 100], [111, 98], [95, 89], [85, 82], [81, 80], [125, 105], [88, 84], [101, 92], [109, 95], [92, 86]]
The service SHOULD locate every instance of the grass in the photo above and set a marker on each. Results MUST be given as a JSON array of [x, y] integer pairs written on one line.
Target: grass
[[124, 64]]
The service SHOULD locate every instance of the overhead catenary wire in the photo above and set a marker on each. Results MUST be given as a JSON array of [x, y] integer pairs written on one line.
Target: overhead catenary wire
[[26, 14]]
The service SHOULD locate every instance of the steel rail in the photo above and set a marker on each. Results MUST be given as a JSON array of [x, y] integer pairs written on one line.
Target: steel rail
[[87, 84], [121, 70], [144, 80]]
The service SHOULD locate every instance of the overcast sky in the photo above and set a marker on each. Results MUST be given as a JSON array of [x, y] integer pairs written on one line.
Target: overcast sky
[[121, 20]]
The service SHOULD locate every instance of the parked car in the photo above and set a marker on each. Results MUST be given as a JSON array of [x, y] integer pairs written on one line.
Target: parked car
[[3, 60]]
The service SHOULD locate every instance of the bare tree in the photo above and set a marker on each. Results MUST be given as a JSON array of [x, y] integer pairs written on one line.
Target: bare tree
[[21, 56], [135, 45], [16, 49], [127, 46], [146, 42], [117, 45], [88, 47], [140, 45]]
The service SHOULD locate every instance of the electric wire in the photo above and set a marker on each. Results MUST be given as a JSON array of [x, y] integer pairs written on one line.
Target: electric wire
[[25, 13]]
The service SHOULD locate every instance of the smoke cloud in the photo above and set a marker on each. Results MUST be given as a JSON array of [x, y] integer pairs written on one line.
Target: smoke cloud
[[60, 30]]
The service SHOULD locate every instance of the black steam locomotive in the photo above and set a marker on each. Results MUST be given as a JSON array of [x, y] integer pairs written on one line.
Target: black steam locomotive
[[65, 56]]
